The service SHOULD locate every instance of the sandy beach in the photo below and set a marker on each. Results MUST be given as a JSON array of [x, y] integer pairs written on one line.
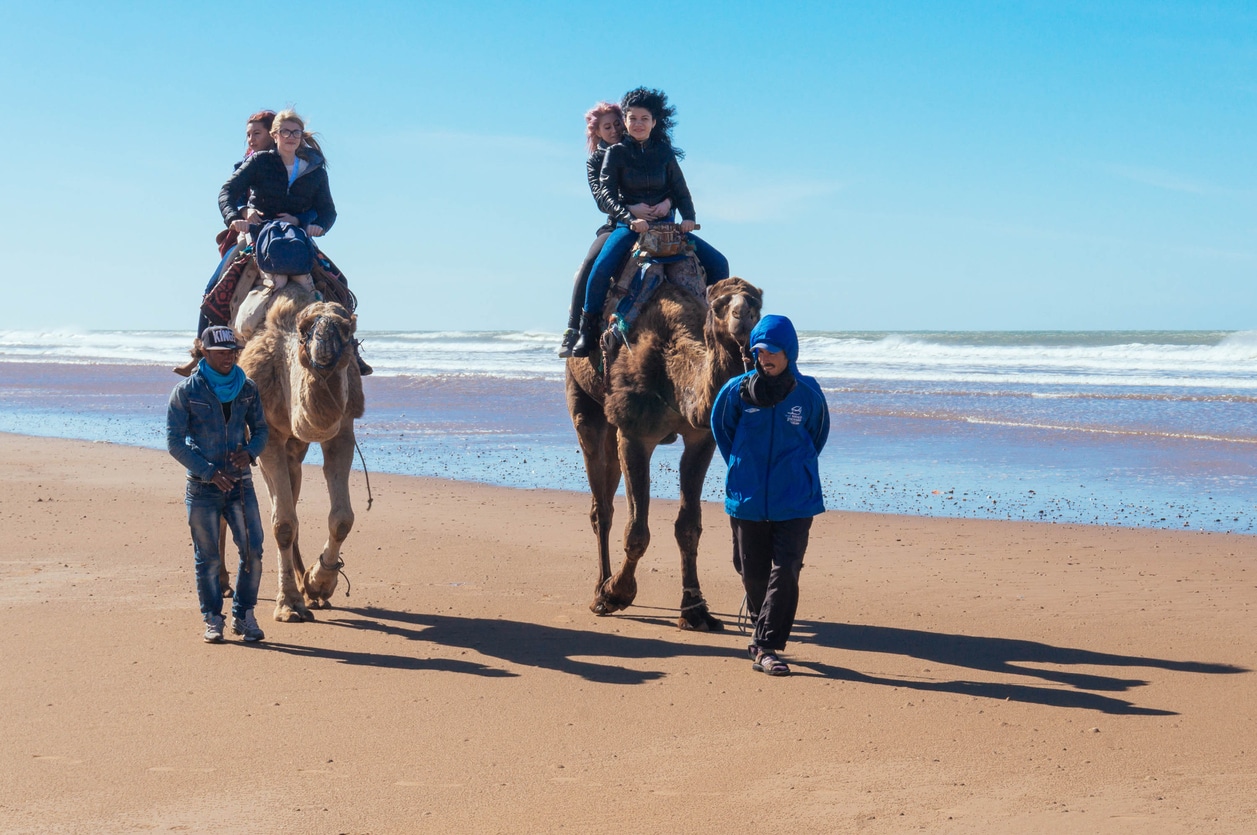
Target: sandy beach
[[949, 675]]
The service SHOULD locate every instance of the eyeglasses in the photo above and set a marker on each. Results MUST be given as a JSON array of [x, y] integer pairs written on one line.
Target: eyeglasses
[[290, 134]]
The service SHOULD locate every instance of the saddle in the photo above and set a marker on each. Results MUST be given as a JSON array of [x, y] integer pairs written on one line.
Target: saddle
[[662, 254], [225, 300]]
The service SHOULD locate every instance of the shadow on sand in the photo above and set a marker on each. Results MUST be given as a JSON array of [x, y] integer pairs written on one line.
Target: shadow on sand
[[514, 642], [1000, 656], [569, 650]]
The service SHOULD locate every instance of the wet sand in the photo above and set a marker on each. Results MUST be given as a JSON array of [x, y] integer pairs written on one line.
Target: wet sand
[[949, 675]]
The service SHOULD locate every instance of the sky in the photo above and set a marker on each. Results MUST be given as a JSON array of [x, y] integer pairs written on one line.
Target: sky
[[871, 166]]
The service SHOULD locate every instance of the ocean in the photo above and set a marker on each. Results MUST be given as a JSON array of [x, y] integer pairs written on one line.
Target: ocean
[[1147, 429]]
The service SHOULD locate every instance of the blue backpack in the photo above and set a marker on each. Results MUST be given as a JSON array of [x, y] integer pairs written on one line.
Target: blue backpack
[[283, 249]]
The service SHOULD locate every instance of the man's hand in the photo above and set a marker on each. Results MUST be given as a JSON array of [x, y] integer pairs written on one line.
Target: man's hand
[[240, 460], [222, 481]]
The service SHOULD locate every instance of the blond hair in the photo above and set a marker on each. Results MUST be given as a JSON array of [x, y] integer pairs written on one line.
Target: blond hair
[[290, 115]]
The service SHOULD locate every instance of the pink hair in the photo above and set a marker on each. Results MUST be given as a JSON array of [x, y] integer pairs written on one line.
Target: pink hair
[[594, 116]]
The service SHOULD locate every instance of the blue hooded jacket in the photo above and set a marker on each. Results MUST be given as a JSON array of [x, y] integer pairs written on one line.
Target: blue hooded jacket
[[772, 452]]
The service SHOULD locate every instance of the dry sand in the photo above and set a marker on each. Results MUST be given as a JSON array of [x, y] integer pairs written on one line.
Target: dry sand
[[949, 676]]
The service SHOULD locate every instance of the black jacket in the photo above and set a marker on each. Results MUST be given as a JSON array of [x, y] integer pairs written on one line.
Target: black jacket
[[633, 173], [593, 170], [263, 181]]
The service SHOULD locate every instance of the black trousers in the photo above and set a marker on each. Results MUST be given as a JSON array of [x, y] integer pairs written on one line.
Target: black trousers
[[769, 557], [582, 278]]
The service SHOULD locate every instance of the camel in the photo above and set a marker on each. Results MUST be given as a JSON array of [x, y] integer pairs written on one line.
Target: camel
[[302, 360], [659, 385]]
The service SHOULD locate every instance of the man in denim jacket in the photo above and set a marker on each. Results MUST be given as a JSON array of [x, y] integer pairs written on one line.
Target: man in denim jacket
[[770, 425], [215, 427]]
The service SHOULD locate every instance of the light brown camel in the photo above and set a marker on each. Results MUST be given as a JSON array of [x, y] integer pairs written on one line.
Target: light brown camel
[[302, 360], [679, 353]]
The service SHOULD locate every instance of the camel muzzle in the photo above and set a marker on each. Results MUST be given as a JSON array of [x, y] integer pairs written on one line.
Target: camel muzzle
[[324, 343]]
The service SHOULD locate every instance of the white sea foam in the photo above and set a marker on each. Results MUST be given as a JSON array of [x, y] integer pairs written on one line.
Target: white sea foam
[[1226, 361]]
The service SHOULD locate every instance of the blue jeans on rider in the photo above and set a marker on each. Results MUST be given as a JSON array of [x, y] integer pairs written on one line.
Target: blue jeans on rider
[[617, 248], [239, 506]]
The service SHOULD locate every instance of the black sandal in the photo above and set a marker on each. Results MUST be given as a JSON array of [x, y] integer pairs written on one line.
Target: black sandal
[[768, 662]]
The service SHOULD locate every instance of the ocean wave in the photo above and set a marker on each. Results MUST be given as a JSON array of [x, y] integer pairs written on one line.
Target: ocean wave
[[1218, 361]]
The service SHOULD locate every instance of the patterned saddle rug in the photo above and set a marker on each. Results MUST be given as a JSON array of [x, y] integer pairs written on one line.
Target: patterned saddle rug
[[239, 276], [640, 280]]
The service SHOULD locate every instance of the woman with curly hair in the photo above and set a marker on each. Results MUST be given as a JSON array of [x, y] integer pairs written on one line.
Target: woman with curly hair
[[640, 169], [604, 127]]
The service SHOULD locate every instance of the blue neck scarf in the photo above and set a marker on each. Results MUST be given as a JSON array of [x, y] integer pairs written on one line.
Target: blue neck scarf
[[226, 386]]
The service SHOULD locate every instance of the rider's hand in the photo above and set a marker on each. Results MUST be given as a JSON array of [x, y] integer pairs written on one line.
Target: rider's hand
[[662, 209], [240, 226], [639, 226], [287, 218], [688, 225], [314, 230], [253, 215], [222, 481], [642, 210]]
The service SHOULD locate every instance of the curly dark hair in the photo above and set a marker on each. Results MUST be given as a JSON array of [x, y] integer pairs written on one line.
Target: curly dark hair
[[664, 114]]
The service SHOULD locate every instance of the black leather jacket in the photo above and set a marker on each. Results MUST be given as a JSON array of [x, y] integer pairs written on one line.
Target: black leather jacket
[[593, 170], [635, 173], [263, 181]]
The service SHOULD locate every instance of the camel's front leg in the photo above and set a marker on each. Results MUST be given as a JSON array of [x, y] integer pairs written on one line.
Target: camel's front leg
[[621, 589], [689, 528], [338, 458], [602, 467], [289, 604]]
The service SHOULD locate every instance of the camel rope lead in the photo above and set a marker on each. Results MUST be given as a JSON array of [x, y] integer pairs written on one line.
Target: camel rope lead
[[339, 568], [366, 474]]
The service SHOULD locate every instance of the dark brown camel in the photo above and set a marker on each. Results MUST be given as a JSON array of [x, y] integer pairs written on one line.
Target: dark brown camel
[[680, 352]]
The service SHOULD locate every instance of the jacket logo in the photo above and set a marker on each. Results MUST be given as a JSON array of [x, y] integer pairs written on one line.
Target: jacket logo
[[795, 415], [750, 410]]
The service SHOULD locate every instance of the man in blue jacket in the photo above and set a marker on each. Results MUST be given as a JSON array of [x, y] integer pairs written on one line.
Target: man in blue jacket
[[216, 429], [770, 425]]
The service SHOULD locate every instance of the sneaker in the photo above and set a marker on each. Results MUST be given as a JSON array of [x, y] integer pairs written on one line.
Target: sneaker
[[246, 626], [213, 629]]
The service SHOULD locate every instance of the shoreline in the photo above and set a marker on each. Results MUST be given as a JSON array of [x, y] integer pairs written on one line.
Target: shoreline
[[954, 675]]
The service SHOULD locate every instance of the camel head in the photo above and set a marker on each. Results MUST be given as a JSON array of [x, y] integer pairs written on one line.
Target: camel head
[[733, 312], [325, 331]]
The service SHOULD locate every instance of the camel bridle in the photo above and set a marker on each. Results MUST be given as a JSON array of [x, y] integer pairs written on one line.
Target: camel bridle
[[322, 324]]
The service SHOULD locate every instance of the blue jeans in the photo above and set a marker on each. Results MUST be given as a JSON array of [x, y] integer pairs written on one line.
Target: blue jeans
[[616, 250], [206, 506]]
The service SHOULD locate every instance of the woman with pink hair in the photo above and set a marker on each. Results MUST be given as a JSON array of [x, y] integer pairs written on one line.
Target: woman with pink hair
[[604, 127]]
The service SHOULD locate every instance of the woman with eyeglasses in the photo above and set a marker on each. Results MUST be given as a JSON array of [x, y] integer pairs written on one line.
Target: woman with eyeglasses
[[287, 183]]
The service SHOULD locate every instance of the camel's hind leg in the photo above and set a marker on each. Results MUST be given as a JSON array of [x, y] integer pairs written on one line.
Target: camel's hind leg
[[320, 579], [620, 590], [289, 603], [695, 460], [602, 467]]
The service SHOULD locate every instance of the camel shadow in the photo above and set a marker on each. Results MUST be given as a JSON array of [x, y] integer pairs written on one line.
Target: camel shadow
[[514, 642], [999, 655]]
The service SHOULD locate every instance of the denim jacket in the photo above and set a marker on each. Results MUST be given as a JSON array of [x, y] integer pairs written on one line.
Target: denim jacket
[[199, 438]]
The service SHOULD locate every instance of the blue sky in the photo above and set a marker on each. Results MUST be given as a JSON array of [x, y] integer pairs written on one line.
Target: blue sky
[[872, 166]]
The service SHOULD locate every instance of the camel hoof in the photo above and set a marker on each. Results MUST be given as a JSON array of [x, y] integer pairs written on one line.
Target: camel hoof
[[292, 614], [318, 603], [606, 604], [700, 620]]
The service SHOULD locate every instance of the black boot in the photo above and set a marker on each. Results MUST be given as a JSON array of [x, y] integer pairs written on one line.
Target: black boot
[[589, 334], [364, 370], [571, 334]]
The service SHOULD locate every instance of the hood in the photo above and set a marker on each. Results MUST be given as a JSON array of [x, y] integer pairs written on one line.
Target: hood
[[779, 331]]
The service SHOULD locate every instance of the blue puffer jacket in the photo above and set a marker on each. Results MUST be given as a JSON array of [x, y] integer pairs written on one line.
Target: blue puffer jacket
[[772, 453], [199, 438]]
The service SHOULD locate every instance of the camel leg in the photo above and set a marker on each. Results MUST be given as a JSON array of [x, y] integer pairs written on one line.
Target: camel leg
[[598, 446], [296, 455], [338, 458], [289, 605], [604, 478], [620, 590], [695, 460]]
